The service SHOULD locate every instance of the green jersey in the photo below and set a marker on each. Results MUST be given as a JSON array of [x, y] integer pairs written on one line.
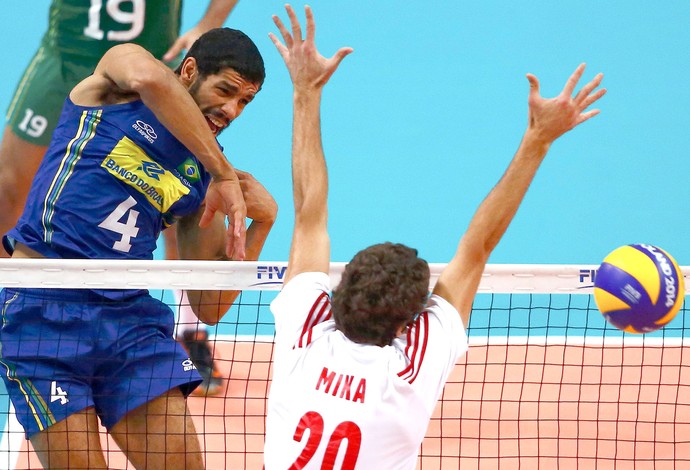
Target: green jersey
[[86, 29], [79, 33]]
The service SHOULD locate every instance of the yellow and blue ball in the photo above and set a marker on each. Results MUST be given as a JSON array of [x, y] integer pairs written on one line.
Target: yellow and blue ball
[[639, 288]]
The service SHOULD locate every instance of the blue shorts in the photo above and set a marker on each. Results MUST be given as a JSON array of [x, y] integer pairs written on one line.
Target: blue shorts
[[63, 350]]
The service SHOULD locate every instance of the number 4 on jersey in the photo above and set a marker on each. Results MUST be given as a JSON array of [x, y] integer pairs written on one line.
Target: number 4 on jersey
[[128, 229]]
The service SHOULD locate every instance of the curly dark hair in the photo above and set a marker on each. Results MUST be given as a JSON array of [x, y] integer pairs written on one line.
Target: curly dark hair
[[382, 289]]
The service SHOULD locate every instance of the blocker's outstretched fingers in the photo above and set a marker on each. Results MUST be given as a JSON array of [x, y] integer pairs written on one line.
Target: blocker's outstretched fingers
[[588, 88], [307, 67], [283, 31], [296, 28], [573, 80], [311, 24]]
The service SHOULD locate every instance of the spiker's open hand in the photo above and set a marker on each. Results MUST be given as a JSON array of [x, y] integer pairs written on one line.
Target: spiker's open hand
[[551, 118], [308, 69]]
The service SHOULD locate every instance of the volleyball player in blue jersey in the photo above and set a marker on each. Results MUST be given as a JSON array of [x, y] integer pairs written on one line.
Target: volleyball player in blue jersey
[[79, 33], [135, 151]]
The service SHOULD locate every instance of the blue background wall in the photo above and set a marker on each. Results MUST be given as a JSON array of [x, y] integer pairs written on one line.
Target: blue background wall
[[420, 122]]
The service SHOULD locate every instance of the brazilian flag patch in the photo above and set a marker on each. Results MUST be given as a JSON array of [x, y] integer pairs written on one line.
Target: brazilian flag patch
[[189, 170]]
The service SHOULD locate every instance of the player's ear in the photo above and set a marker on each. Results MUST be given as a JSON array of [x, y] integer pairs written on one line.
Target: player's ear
[[188, 71]]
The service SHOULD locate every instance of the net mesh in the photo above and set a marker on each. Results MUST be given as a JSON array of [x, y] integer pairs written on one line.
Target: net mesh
[[547, 383]]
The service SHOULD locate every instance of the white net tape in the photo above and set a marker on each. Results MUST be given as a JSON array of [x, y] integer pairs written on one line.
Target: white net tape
[[264, 275]]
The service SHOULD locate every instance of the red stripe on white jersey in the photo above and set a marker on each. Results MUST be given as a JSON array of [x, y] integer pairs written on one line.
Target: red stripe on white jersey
[[320, 312], [417, 340]]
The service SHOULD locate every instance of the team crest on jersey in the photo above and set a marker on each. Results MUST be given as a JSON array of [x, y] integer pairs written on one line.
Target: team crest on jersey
[[130, 164], [152, 169], [189, 170]]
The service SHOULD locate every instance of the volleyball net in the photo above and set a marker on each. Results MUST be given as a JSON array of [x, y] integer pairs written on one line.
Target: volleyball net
[[546, 383]]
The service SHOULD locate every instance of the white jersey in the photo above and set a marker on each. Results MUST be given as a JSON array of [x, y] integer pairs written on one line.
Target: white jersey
[[336, 404]]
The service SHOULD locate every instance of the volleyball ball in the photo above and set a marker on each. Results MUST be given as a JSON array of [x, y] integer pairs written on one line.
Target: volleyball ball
[[639, 288]]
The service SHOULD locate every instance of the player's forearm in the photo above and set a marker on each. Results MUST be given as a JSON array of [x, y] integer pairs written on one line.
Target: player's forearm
[[309, 174], [498, 209], [459, 280], [216, 14], [211, 306]]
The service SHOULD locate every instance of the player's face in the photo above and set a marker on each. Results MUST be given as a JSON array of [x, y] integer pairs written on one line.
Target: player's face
[[222, 97]]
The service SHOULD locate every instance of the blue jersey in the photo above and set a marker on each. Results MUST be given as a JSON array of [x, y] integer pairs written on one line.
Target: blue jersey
[[112, 179]]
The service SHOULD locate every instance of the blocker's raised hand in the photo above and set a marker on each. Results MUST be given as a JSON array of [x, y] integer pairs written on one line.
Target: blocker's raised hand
[[308, 69], [553, 117]]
